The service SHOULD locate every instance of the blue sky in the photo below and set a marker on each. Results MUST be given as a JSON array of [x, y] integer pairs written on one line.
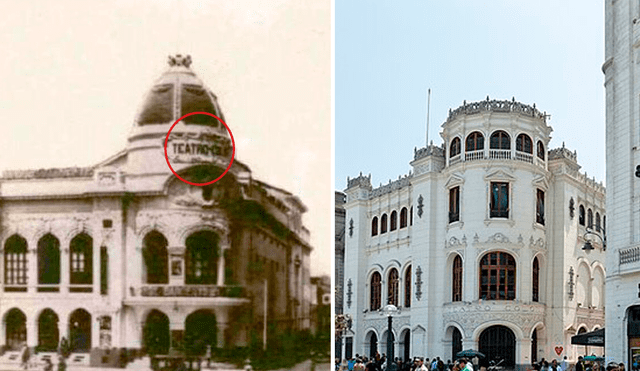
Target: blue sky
[[389, 53]]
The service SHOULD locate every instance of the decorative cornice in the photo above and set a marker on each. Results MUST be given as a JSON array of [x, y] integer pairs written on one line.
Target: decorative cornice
[[502, 106], [68, 172]]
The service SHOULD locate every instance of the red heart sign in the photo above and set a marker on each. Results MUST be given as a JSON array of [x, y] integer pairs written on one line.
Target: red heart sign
[[559, 350]]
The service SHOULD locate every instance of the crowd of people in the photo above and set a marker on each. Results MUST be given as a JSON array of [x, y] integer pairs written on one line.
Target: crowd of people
[[379, 363]]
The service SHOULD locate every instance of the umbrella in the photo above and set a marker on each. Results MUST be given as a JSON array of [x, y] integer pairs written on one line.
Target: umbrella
[[594, 358], [470, 353]]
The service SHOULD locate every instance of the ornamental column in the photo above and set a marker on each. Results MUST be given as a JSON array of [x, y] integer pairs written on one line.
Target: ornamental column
[[32, 269]]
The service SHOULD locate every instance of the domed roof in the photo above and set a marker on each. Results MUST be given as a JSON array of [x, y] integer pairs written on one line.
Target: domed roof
[[177, 92]]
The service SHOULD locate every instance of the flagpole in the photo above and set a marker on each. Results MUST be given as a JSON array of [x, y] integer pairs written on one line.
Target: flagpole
[[428, 106]]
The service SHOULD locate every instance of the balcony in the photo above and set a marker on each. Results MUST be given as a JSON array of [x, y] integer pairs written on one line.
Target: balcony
[[202, 291], [498, 154]]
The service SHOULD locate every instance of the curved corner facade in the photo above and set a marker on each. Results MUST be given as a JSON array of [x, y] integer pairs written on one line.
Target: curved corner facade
[[124, 258], [479, 246]]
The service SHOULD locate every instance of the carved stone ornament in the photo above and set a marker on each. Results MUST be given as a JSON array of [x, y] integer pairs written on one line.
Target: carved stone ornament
[[538, 244], [472, 316], [349, 293], [184, 194], [420, 206], [351, 228], [498, 238], [419, 283], [456, 243], [572, 208]]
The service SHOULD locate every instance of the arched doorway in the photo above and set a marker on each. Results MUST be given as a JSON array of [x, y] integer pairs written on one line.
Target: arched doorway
[[80, 331], [371, 344], [200, 331], [156, 333], [456, 342], [497, 343], [534, 346], [405, 345], [16, 329], [48, 333]]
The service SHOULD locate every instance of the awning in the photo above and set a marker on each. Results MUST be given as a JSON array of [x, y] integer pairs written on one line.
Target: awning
[[595, 338]]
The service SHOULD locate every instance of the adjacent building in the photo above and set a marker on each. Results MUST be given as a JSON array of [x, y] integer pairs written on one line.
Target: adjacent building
[[124, 255], [480, 246], [622, 37]]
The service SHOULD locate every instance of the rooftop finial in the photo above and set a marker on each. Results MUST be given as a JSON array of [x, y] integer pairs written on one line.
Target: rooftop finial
[[179, 60]]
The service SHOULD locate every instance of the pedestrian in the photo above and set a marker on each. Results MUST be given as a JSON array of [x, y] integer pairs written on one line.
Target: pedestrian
[[555, 366], [465, 364], [621, 366], [421, 365], [580, 364], [359, 366]]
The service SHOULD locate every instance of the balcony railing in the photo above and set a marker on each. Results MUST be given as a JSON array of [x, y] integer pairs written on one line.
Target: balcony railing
[[630, 255], [500, 154], [524, 156], [474, 155], [206, 291], [455, 159]]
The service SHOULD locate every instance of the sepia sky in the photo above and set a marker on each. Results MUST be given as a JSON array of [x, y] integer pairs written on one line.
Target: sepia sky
[[74, 73], [388, 54]]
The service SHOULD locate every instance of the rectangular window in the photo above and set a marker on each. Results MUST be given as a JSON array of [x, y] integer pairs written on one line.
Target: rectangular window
[[454, 204], [540, 207], [499, 204]]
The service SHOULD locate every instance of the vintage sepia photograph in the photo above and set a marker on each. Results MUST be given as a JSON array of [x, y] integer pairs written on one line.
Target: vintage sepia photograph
[[165, 198]]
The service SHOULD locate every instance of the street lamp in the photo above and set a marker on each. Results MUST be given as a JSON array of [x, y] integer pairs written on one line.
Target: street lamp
[[588, 246], [389, 310]]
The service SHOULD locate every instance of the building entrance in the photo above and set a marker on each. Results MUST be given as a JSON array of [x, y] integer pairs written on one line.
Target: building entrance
[[80, 331], [16, 328], [200, 332], [156, 333], [498, 343]]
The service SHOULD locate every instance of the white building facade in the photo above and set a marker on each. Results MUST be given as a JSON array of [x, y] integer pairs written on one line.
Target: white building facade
[[125, 257], [480, 245], [622, 37]]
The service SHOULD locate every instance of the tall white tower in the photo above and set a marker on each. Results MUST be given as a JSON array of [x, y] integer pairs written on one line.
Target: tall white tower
[[622, 83]]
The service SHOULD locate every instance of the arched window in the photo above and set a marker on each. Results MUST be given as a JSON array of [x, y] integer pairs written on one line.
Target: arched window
[[392, 287], [540, 206], [376, 286], [597, 221], [524, 144], [500, 140], [475, 142], [497, 277], [81, 259], [156, 259], [589, 218], [540, 150], [457, 279], [374, 226], [201, 258], [383, 224], [536, 280], [411, 216], [48, 260], [454, 149], [407, 289], [403, 217], [394, 221], [15, 262], [581, 215]]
